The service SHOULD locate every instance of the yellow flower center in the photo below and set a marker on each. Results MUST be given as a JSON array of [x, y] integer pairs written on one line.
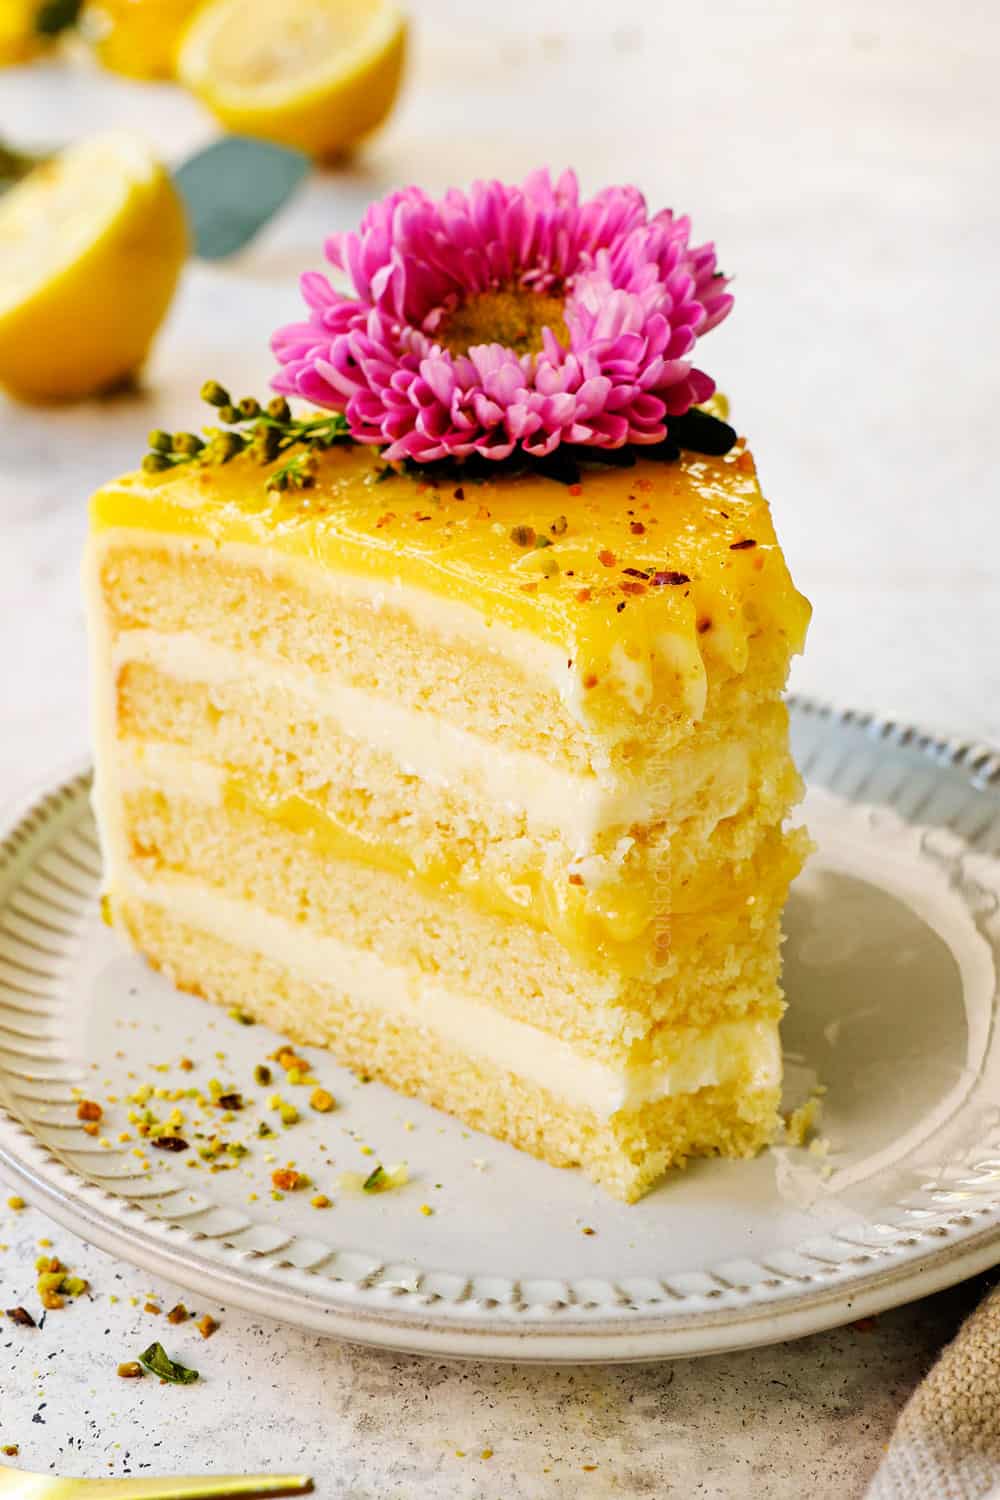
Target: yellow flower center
[[514, 318]]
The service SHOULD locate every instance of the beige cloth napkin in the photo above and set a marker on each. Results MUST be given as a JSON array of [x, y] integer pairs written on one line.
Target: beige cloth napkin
[[947, 1442]]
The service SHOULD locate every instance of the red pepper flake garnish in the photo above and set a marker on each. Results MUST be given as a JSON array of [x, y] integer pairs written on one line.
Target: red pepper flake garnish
[[704, 624], [576, 879], [482, 514], [669, 577], [419, 516], [386, 517], [590, 681], [632, 588], [607, 558], [636, 573], [742, 546], [458, 492], [644, 484], [21, 1317], [637, 528], [87, 1109], [169, 1143], [583, 595], [620, 607], [575, 489]]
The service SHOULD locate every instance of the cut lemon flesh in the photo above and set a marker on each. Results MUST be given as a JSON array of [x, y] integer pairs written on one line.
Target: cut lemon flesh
[[317, 74], [91, 245]]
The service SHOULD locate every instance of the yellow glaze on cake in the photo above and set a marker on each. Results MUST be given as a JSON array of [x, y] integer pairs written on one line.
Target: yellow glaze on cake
[[593, 590]]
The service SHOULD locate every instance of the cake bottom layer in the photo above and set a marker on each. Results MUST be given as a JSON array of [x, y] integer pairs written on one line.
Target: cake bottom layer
[[625, 1152]]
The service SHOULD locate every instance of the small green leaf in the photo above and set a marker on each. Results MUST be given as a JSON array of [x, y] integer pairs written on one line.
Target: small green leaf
[[233, 188], [375, 1179], [157, 1362]]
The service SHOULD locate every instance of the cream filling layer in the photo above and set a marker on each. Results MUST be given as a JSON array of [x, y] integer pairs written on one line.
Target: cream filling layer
[[443, 754], [696, 1058]]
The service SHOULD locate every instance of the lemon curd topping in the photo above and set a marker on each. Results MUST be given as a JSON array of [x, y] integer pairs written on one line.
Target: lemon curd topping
[[641, 576]]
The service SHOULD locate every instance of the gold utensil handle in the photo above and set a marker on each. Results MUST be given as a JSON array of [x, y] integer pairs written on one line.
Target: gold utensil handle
[[211, 1487], [22, 1486]]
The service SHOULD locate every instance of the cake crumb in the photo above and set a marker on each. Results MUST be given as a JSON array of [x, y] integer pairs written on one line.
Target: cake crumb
[[801, 1123]]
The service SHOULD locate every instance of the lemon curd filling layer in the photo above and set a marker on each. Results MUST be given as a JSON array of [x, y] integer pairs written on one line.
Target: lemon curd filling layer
[[638, 581], [617, 923]]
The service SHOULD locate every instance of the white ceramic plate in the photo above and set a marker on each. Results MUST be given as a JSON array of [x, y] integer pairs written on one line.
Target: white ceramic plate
[[891, 972]]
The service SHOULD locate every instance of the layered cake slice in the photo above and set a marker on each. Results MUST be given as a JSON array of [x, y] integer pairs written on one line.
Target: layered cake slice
[[469, 765]]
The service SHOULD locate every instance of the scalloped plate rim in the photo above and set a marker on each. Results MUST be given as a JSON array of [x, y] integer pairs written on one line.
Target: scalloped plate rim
[[674, 1333]]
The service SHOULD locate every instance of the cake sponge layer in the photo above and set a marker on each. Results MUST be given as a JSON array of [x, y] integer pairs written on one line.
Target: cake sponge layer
[[625, 1153], [417, 651]]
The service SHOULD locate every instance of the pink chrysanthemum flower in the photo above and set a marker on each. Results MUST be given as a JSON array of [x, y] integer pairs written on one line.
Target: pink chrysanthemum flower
[[506, 317]]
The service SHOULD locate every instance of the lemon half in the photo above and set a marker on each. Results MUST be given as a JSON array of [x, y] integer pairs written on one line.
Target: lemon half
[[316, 74], [91, 245], [137, 37]]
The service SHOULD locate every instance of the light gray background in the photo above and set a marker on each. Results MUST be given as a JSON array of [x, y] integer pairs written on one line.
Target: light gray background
[[844, 158]]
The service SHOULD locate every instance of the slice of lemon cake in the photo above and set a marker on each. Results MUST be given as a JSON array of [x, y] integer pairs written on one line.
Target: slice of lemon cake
[[465, 760]]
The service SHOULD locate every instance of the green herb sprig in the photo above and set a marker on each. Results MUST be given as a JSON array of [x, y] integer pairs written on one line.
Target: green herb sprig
[[265, 434]]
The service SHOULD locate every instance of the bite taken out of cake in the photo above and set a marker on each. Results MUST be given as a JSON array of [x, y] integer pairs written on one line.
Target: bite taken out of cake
[[440, 723]]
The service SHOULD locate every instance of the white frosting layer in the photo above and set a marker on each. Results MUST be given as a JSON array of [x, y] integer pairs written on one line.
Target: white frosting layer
[[444, 754], [696, 1057]]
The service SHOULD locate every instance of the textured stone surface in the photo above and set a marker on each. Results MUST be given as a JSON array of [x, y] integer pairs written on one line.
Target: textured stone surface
[[805, 1418], [843, 159]]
